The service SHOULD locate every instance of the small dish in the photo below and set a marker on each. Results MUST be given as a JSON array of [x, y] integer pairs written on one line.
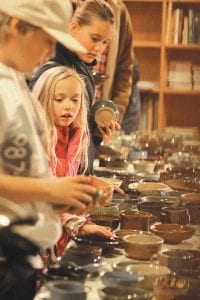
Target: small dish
[[180, 184], [149, 188], [104, 111], [172, 233]]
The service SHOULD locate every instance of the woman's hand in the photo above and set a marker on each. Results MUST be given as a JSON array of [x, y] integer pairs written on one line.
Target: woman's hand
[[107, 130]]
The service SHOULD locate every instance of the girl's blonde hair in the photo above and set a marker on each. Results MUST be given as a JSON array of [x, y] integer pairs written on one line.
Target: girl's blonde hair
[[44, 91], [86, 10]]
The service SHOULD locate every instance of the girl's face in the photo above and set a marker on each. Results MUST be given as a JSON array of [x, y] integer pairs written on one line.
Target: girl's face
[[94, 37], [67, 101]]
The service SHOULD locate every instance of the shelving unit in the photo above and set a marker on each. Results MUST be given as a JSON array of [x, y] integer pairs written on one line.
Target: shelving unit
[[175, 107]]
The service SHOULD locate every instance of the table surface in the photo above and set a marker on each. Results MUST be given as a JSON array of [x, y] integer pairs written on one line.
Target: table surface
[[95, 283]]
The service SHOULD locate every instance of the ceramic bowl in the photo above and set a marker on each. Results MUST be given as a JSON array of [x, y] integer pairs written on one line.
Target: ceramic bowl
[[182, 262], [150, 273], [172, 233], [135, 220], [67, 290], [142, 247], [149, 188], [117, 293], [121, 278], [104, 111], [121, 233], [154, 204], [82, 254], [144, 165], [109, 220], [192, 202], [175, 215]]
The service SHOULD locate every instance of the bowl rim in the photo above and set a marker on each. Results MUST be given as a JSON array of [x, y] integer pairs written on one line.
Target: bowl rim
[[157, 240], [178, 228]]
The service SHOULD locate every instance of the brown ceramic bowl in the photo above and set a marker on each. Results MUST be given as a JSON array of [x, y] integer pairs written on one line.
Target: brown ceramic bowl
[[192, 202], [142, 247], [172, 233], [144, 165], [135, 220], [154, 204], [182, 262], [109, 220]]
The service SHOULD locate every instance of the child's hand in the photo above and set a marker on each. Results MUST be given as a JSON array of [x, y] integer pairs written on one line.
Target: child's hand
[[95, 229], [107, 130], [74, 192]]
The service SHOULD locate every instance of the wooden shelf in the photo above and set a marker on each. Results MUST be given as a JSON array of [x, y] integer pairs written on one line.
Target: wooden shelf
[[150, 24], [183, 47], [171, 91]]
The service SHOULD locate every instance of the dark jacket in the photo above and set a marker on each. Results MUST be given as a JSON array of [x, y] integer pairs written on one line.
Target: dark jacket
[[67, 58]]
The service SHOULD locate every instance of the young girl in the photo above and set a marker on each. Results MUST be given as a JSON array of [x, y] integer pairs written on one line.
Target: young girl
[[61, 91], [93, 26]]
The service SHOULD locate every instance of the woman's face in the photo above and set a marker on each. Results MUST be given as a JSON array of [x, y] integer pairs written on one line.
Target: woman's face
[[67, 101], [94, 37]]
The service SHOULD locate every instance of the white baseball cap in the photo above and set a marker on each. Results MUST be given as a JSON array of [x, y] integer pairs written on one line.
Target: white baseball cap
[[53, 16]]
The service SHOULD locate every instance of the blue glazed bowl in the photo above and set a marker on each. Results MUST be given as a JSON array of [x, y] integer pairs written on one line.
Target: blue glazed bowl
[[121, 278], [104, 111]]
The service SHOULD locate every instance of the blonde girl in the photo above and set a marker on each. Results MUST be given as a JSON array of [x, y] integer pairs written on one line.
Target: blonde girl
[[61, 92]]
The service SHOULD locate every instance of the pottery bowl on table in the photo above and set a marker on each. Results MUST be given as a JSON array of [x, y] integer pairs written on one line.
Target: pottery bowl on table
[[104, 111], [67, 290], [109, 220], [192, 202], [142, 247], [175, 215], [172, 233], [117, 293], [182, 262], [115, 163], [149, 188], [150, 273], [111, 209], [135, 220], [153, 204], [121, 233], [144, 165], [128, 279], [115, 182], [82, 254]]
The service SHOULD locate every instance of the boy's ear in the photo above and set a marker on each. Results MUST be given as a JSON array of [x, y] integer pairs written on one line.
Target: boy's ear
[[73, 28], [15, 26]]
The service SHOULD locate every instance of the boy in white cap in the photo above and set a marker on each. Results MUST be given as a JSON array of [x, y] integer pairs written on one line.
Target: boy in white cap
[[28, 33]]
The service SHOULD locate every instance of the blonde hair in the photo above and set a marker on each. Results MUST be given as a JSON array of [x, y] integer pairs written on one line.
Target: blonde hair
[[86, 10], [44, 90]]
